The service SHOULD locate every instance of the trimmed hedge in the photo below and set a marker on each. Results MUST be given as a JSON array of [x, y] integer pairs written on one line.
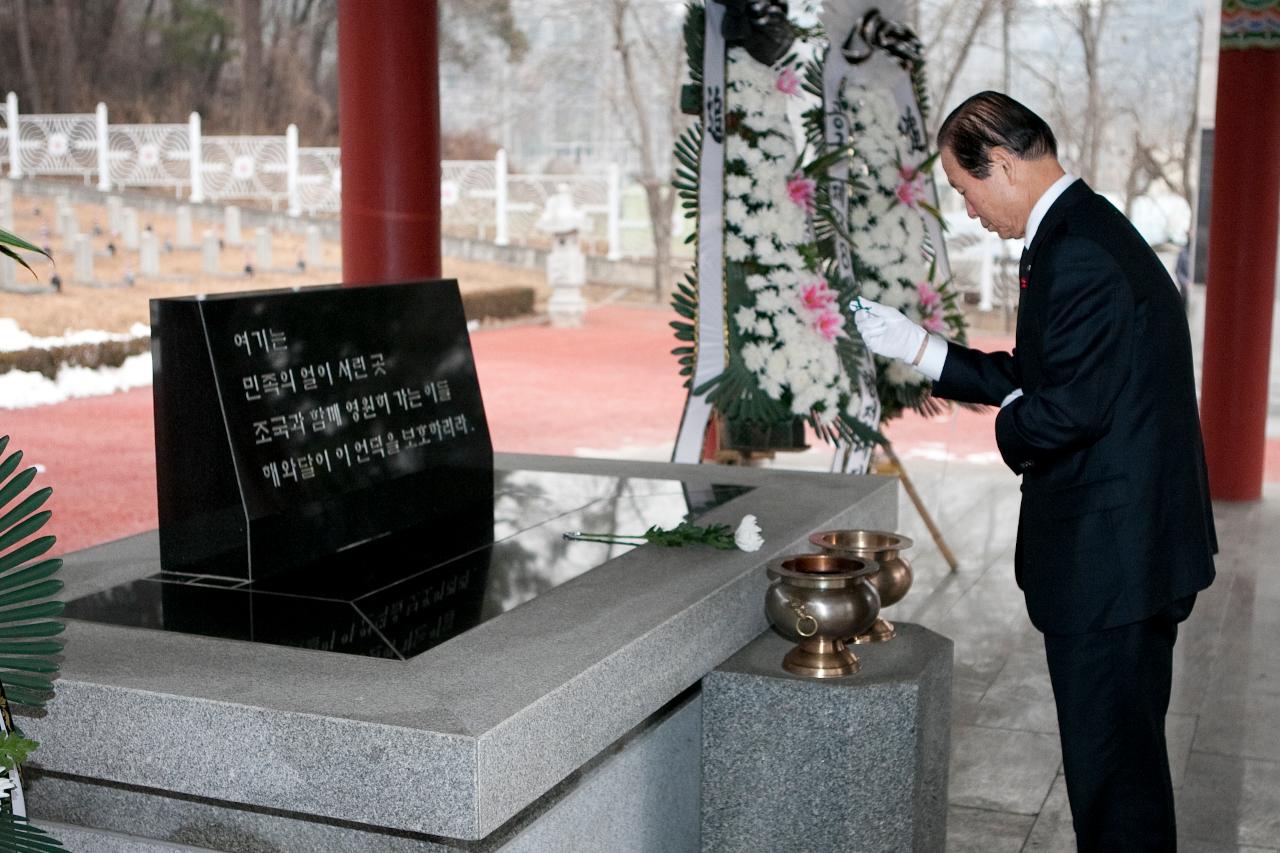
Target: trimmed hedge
[[47, 361], [501, 303]]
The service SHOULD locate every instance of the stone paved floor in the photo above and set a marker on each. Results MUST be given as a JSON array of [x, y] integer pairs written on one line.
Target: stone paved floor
[[1007, 791], [1006, 786]]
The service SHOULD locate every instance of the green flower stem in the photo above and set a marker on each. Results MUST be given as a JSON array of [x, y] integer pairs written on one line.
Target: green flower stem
[[608, 538]]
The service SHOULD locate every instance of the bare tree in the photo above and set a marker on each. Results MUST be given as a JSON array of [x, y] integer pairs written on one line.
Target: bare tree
[[955, 62], [30, 80], [1007, 10], [636, 44], [65, 69], [469, 29], [1088, 20], [250, 63]]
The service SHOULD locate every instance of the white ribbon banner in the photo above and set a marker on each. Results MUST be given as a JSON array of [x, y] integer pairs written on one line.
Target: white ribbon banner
[[853, 459], [879, 69]]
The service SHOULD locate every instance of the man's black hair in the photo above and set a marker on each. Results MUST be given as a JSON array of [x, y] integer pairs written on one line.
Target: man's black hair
[[990, 119]]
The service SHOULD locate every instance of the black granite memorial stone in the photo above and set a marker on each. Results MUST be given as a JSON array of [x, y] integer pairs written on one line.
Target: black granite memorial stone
[[296, 424], [401, 594]]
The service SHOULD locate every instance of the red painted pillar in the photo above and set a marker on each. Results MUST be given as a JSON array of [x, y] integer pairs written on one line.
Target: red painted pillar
[[1240, 289], [389, 124]]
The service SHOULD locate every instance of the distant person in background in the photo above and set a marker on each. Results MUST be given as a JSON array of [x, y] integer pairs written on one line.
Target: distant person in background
[[1098, 415]]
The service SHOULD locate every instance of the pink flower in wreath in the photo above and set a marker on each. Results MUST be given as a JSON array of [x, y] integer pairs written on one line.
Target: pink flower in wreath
[[930, 307], [802, 191], [830, 324], [818, 296], [910, 186], [789, 82], [930, 299]]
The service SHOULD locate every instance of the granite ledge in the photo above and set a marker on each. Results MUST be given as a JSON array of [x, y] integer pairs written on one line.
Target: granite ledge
[[457, 749]]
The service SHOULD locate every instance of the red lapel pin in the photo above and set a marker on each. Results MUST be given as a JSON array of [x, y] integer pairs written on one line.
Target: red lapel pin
[[1023, 282]]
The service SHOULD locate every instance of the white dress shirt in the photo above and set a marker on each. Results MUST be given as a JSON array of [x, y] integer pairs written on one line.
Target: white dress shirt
[[935, 351]]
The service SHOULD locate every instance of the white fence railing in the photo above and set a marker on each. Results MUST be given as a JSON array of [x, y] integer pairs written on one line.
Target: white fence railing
[[477, 197]]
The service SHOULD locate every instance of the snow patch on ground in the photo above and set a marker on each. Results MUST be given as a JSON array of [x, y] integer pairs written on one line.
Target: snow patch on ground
[[13, 338], [20, 389]]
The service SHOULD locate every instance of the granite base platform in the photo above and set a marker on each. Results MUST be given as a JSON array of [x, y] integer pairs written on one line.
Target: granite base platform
[[842, 765], [543, 718]]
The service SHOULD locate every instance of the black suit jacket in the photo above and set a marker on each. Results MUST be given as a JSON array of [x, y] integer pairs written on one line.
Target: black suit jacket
[[1116, 520]]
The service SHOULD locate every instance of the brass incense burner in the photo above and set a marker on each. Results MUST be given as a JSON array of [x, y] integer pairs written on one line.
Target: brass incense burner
[[893, 578], [818, 601]]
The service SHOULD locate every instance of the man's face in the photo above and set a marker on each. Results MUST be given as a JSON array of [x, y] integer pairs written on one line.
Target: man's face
[[994, 200]]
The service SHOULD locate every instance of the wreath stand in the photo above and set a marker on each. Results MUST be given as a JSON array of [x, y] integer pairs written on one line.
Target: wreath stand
[[718, 448], [892, 466]]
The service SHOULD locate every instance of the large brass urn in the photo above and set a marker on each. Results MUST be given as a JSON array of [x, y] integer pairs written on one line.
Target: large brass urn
[[819, 601], [892, 578]]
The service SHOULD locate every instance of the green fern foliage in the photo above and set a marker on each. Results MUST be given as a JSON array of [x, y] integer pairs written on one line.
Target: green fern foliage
[[9, 242], [20, 836], [28, 609], [695, 33]]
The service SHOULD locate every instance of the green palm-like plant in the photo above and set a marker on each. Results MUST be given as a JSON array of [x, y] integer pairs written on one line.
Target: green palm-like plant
[[28, 629]]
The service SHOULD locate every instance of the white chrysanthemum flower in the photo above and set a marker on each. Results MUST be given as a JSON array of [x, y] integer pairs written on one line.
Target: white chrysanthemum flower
[[735, 211], [747, 537], [768, 299], [792, 258], [775, 367], [767, 254], [745, 319], [756, 282], [778, 146], [754, 355], [736, 248], [894, 295], [751, 225], [737, 186]]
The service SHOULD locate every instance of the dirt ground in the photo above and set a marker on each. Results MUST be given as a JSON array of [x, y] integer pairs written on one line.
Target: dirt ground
[[108, 303], [112, 305]]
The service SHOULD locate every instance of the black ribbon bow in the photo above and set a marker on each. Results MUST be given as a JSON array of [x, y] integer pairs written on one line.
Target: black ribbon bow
[[759, 26]]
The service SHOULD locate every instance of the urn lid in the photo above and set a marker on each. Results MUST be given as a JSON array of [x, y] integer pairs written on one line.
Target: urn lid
[[860, 543], [822, 571]]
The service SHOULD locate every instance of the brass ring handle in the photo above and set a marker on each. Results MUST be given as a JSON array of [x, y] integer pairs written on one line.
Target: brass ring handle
[[803, 616]]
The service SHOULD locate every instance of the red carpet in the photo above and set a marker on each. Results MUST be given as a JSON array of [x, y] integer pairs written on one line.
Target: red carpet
[[608, 385]]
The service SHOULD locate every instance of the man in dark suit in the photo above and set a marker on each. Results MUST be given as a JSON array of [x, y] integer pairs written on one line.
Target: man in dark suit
[[1098, 414]]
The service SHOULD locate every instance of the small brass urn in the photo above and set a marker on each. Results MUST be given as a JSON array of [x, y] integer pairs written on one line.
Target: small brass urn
[[818, 601], [893, 578]]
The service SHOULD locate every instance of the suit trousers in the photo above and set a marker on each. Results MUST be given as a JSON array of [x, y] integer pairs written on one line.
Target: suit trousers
[[1112, 689]]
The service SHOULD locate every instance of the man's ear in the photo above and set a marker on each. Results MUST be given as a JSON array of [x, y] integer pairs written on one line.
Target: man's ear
[[1004, 162]]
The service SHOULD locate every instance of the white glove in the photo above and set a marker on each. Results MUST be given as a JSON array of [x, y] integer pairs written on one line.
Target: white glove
[[886, 331]]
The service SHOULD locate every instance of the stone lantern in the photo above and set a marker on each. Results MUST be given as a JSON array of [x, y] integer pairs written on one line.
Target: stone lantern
[[566, 265]]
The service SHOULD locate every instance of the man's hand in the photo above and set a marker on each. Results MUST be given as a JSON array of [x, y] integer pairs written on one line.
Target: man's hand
[[887, 332]]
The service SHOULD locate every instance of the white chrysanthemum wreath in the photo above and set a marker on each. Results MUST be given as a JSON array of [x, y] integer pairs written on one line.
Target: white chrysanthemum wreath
[[790, 323], [789, 354]]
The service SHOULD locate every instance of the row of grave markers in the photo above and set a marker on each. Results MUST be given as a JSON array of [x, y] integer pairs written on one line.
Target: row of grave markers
[[123, 221]]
